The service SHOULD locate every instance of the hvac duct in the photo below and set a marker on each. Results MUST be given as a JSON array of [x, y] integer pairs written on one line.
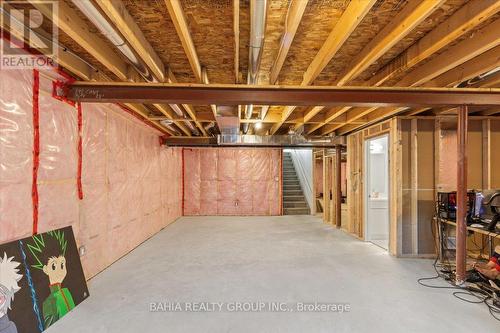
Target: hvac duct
[[258, 13], [228, 119]]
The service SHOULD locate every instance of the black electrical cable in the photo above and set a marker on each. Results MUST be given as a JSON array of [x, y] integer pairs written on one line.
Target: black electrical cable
[[481, 296]]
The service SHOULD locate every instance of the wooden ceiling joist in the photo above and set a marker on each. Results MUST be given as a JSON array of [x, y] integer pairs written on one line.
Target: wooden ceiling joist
[[492, 81], [178, 18], [66, 59], [117, 13], [294, 16], [484, 40], [236, 32], [489, 112], [75, 27], [412, 15], [170, 114], [480, 67], [142, 111], [177, 15], [349, 20], [405, 21], [467, 18], [481, 64], [123, 21]]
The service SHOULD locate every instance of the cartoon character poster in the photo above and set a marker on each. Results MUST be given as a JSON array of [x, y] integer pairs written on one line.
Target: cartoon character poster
[[41, 280]]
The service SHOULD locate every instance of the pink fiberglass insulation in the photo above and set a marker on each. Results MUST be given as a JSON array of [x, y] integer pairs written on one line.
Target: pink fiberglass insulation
[[131, 184], [232, 181]]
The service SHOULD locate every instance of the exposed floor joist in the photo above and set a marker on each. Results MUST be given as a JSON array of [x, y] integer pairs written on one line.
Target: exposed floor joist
[[236, 32], [349, 20], [69, 21], [411, 15], [464, 20], [485, 39]]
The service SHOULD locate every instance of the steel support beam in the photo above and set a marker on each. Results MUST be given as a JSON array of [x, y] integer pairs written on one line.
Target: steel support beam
[[202, 94], [461, 251]]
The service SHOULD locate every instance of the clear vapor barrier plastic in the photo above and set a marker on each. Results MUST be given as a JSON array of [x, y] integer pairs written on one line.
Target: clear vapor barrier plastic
[[229, 181], [132, 186]]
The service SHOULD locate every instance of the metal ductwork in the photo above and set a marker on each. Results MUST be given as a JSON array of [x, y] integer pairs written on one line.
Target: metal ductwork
[[258, 13], [228, 120], [277, 141], [93, 13]]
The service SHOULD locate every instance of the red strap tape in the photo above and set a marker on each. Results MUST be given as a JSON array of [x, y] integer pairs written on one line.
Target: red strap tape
[[80, 153], [36, 148]]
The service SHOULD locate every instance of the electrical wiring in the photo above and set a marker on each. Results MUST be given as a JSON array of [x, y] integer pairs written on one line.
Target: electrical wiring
[[464, 293]]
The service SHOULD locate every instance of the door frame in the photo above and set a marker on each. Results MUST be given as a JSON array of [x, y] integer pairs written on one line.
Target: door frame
[[366, 185]]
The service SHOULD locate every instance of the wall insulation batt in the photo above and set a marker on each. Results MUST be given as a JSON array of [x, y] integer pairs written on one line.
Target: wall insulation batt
[[232, 181], [131, 185]]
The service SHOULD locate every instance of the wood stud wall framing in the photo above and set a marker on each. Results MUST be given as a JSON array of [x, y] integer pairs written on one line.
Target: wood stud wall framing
[[422, 162]]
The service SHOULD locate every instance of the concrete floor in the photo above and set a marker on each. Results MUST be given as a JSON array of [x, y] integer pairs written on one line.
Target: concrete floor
[[268, 259]]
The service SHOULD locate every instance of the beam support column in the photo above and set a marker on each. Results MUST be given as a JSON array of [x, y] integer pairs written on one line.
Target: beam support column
[[461, 194]]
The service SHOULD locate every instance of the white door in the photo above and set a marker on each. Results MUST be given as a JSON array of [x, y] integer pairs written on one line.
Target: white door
[[377, 191]]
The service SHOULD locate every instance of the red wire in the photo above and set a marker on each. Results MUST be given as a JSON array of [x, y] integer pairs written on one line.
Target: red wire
[[80, 153], [36, 148], [182, 181]]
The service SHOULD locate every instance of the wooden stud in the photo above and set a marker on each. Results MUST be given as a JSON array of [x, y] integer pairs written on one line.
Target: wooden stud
[[437, 150], [414, 185], [338, 187], [486, 154]]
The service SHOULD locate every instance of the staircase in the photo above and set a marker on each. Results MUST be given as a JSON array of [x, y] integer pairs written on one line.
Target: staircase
[[294, 202]]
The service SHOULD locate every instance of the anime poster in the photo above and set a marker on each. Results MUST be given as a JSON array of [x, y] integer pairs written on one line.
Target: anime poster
[[41, 280]]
